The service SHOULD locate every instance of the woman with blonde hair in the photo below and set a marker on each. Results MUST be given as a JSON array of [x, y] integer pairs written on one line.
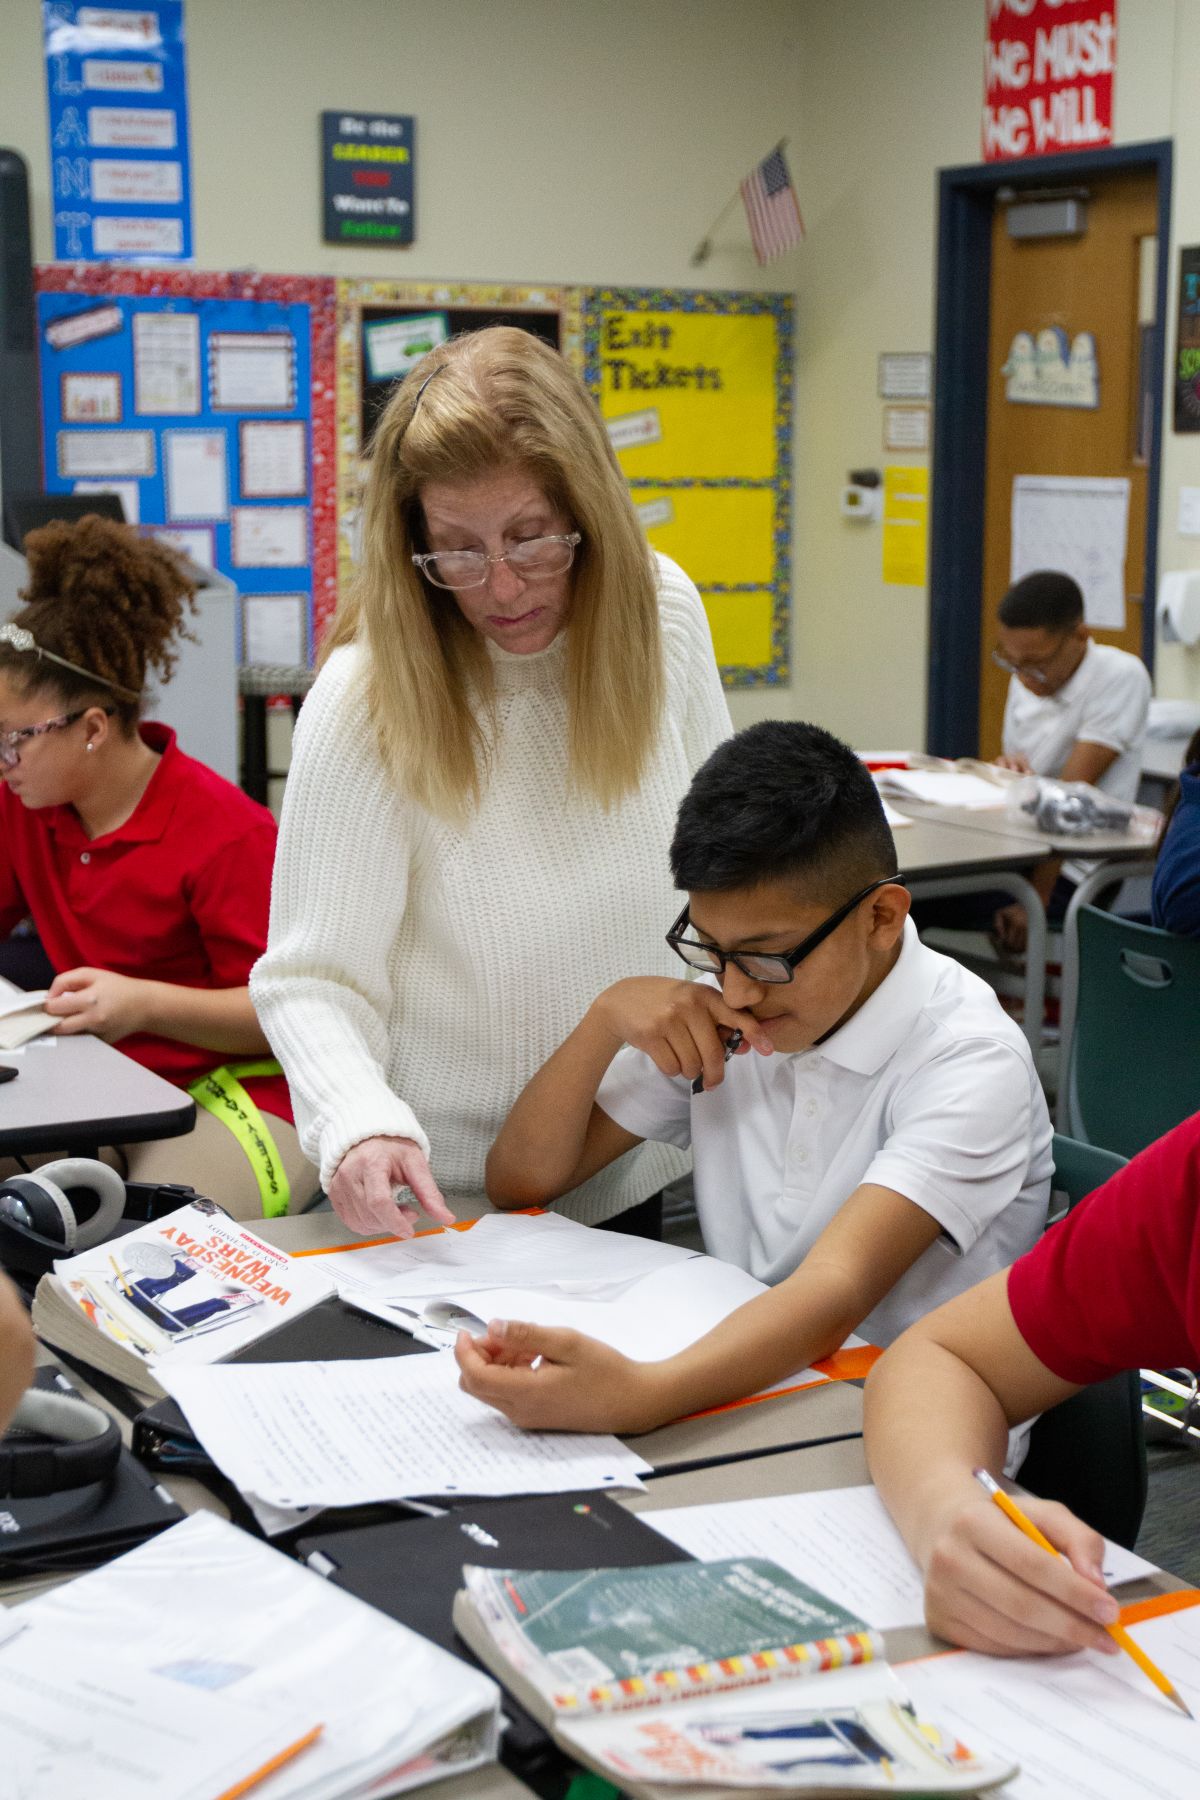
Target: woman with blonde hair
[[483, 785]]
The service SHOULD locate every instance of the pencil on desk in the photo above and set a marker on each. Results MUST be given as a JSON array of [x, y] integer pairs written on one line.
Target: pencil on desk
[[1118, 1633]]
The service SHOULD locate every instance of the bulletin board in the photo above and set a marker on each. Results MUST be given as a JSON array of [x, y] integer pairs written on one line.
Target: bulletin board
[[696, 389], [206, 402]]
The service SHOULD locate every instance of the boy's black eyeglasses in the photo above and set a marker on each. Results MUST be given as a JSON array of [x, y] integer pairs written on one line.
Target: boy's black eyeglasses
[[770, 969]]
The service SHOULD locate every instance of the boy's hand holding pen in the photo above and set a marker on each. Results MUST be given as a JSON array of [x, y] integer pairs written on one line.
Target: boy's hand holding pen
[[686, 1028]]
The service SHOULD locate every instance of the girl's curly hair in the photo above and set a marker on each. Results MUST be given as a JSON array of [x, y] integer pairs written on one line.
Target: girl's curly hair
[[105, 598]]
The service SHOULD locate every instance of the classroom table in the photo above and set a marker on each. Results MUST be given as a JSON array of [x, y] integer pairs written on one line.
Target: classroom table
[[814, 1415], [74, 1094]]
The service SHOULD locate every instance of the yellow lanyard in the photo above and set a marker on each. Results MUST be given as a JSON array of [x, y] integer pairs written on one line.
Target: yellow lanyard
[[221, 1093]]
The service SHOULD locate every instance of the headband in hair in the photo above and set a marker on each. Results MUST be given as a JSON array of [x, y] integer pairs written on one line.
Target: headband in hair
[[412, 415], [23, 640]]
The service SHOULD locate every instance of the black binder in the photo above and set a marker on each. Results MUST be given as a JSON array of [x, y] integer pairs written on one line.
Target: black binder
[[80, 1528], [412, 1570]]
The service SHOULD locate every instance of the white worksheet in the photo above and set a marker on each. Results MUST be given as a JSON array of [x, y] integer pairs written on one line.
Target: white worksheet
[[166, 362], [197, 475], [655, 1317], [346, 1433], [275, 629], [505, 1250], [270, 537], [73, 1723], [841, 1541], [1086, 1725], [105, 452], [272, 459], [251, 371], [1078, 527]]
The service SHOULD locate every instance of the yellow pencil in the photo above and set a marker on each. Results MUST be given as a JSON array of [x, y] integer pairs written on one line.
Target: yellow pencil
[[1118, 1633], [121, 1275]]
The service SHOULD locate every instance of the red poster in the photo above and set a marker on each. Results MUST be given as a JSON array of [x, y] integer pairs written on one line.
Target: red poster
[[1048, 76]]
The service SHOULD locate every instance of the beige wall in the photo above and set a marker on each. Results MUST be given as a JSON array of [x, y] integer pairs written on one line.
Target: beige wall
[[562, 140]]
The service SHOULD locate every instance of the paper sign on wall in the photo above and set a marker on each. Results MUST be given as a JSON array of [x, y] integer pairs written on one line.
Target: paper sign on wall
[[905, 524], [119, 168], [1048, 77], [1079, 527]]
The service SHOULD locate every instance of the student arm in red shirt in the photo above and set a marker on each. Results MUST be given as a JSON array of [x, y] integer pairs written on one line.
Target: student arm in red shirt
[[1116, 1285]]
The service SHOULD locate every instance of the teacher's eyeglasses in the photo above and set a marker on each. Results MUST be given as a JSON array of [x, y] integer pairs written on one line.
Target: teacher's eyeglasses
[[532, 560]]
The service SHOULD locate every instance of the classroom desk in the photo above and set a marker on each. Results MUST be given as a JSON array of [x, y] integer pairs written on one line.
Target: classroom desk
[[76, 1093], [816, 1415]]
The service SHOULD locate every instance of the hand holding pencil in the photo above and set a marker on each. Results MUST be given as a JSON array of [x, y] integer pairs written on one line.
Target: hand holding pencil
[[1008, 1506]]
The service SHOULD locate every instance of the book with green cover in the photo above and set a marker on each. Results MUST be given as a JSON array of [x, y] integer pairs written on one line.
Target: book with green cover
[[685, 1673], [605, 1638]]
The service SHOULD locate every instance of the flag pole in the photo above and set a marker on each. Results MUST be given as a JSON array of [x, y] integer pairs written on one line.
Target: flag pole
[[703, 250]]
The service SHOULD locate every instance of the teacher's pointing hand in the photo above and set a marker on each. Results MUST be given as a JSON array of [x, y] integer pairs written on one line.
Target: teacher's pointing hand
[[363, 1191]]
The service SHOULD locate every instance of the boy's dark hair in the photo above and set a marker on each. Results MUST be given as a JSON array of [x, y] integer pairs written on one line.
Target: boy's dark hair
[[782, 801], [1043, 601]]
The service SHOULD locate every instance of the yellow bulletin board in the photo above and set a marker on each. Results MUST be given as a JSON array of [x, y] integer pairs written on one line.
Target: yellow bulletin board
[[696, 389], [905, 524]]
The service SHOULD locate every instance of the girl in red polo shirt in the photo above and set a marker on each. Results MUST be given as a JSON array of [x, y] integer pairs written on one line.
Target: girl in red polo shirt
[[146, 875]]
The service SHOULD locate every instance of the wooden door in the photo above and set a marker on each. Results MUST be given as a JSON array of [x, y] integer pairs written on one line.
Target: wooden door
[[1087, 284]]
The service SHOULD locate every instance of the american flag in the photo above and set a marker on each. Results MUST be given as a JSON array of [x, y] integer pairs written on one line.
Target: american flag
[[772, 210]]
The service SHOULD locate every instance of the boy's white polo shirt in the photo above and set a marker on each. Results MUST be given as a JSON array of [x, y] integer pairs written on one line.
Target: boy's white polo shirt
[[929, 1090], [1106, 701]]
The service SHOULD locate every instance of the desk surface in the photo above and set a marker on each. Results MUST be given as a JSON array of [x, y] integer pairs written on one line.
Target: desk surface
[[832, 1410], [76, 1093], [998, 822], [932, 844]]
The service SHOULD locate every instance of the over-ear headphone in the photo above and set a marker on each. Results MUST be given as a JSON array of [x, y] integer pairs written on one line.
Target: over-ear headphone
[[75, 1443], [56, 1210]]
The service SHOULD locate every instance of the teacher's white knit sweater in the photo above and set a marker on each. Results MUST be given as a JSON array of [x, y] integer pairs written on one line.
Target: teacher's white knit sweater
[[418, 973]]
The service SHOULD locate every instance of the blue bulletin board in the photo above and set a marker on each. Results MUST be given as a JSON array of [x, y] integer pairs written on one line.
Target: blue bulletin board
[[197, 412]]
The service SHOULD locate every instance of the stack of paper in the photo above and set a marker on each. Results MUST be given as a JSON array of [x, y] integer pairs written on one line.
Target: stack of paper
[[349, 1433], [204, 1611], [937, 787], [110, 1727]]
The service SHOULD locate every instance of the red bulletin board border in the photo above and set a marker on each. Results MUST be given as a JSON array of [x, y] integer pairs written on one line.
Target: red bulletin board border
[[317, 292]]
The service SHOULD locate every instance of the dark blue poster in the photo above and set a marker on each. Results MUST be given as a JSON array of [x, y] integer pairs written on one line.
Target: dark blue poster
[[368, 168], [120, 178]]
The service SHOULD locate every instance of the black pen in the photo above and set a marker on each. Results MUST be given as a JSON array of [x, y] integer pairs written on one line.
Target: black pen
[[731, 1044]]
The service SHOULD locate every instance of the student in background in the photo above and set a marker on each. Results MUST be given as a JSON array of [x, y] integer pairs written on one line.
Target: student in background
[[483, 785], [1175, 892], [16, 1349], [1076, 710], [878, 1143], [146, 875], [1114, 1286]]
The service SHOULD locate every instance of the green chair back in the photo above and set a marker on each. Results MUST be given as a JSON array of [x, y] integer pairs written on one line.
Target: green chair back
[[1090, 1451], [1134, 1070]]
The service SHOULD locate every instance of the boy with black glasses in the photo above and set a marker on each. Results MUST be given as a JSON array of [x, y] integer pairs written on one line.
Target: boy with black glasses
[[876, 1142]]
